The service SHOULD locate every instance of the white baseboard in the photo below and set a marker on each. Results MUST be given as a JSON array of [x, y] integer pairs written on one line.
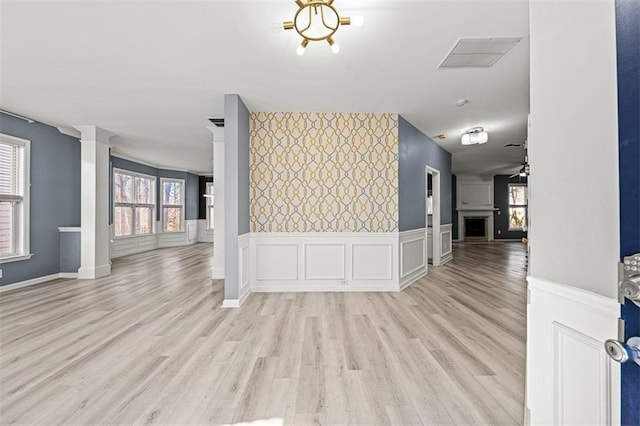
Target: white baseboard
[[35, 281], [68, 275], [570, 378], [92, 273], [284, 287], [231, 303], [236, 303]]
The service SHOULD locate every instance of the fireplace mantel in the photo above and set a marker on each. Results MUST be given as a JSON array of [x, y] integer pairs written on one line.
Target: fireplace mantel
[[475, 198]]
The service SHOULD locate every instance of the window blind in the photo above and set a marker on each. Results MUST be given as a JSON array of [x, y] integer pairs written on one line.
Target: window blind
[[11, 172]]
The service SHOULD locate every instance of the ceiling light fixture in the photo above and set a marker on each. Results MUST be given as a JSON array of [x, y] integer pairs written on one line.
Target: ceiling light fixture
[[318, 20], [475, 135]]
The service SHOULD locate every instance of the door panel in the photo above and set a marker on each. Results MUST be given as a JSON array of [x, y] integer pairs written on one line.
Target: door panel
[[628, 61]]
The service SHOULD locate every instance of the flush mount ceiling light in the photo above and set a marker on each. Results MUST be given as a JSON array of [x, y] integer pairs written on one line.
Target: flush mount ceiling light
[[318, 20], [475, 135]]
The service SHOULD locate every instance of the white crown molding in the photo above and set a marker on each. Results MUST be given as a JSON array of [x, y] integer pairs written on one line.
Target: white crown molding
[[69, 131], [116, 153]]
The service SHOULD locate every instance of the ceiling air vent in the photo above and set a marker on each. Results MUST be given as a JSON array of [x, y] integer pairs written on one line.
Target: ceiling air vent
[[218, 122], [478, 52]]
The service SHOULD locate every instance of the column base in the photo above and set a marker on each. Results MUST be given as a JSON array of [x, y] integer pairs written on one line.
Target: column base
[[91, 272]]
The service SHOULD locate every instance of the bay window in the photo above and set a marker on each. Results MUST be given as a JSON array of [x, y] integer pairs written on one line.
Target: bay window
[[133, 203], [172, 197]]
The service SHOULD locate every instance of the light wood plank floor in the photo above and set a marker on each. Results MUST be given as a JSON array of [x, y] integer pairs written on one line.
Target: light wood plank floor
[[150, 344]]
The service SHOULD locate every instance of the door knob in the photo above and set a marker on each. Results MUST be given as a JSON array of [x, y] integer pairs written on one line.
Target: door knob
[[630, 288], [623, 352]]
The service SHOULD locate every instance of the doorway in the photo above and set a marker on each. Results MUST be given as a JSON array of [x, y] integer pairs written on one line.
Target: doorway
[[433, 216]]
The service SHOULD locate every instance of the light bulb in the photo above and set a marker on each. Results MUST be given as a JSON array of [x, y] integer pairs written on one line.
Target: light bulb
[[335, 47], [303, 45], [357, 21]]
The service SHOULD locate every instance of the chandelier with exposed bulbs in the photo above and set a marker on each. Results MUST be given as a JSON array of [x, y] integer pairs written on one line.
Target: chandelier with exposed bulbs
[[318, 20]]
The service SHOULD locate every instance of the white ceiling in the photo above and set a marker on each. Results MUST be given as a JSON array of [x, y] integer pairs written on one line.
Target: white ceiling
[[152, 71]]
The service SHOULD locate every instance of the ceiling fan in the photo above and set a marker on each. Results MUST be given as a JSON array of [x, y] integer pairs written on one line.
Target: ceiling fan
[[524, 170]]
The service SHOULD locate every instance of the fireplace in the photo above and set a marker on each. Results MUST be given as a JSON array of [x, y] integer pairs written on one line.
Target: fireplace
[[475, 229]]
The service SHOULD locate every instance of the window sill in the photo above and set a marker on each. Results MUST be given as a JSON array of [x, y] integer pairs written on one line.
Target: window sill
[[18, 258]]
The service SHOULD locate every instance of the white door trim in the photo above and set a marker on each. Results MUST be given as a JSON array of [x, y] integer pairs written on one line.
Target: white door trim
[[435, 173]]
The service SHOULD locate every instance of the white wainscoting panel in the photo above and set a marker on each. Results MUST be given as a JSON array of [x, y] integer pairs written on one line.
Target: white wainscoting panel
[[276, 261], [192, 230], [204, 235], [184, 238], [570, 378], [413, 256], [446, 241], [331, 261], [125, 246], [325, 261], [372, 261], [130, 245]]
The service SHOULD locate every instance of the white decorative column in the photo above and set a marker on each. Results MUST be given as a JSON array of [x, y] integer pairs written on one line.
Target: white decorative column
[[218, 210], [94, 216]]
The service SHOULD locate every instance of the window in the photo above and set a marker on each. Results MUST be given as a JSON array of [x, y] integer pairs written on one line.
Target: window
[[517, 207], [133, 203], [209, 198], [172, 204], [14, 198]]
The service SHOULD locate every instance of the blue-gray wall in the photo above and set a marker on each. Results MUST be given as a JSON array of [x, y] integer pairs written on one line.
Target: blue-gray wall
[[192, 197], [55, 196], [243, 168], [70, 251], [236, 186], [191, 194], [416, 151]]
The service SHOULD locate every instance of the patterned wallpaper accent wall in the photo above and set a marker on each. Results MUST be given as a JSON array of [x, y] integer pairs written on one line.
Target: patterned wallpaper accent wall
[[324, 172]]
